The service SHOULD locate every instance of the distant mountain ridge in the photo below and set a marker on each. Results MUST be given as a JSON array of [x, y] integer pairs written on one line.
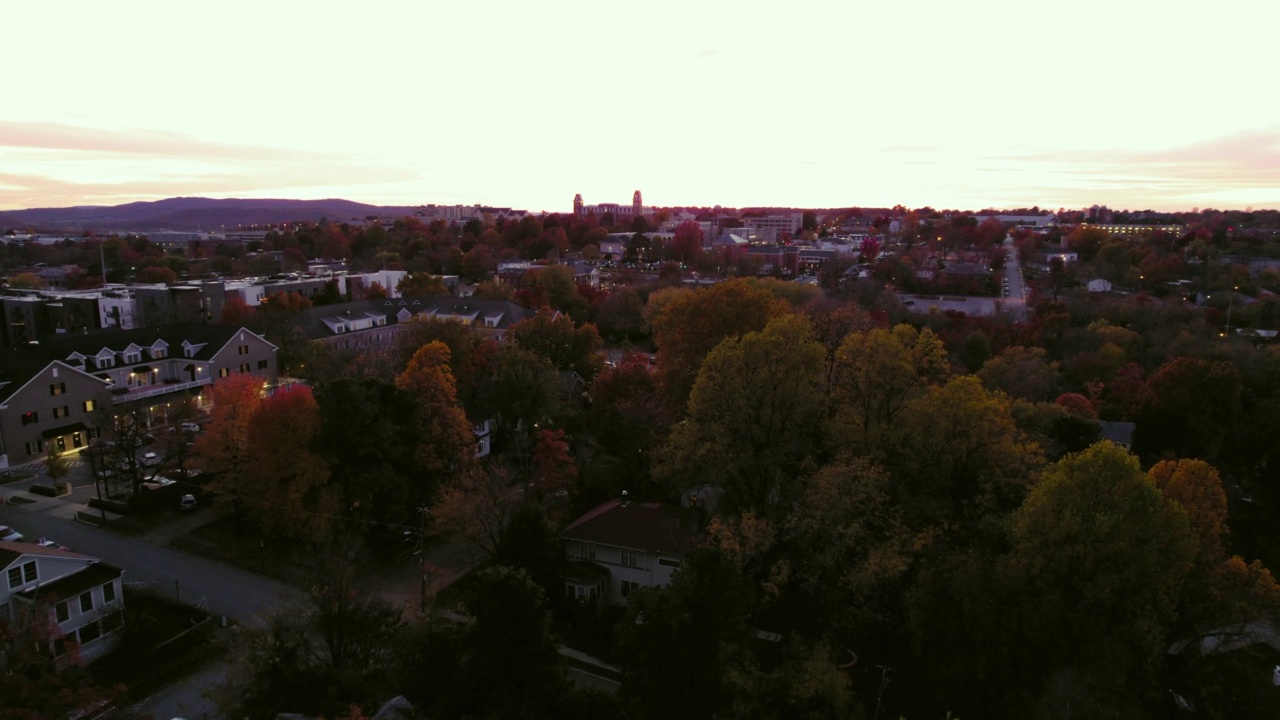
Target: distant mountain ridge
[[190, 214]]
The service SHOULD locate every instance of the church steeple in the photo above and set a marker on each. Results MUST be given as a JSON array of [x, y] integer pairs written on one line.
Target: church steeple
[[577, 204]]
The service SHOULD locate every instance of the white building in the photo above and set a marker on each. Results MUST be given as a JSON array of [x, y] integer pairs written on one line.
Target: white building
[[621, 546], [84, 598]]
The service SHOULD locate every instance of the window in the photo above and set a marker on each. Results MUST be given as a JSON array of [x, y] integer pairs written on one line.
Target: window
[[30, 418], [62, 612], [668, 563], [108, 592], [61, 412], [90, 406], [159, 353], [224, 372], [628, 587], [588, 551], [262, 364], [629, 558], [57, 388], [59, 646], [245, 367], [23, 574], [86, 601], [35, 448], [133, 357], [106, 361], [242, 350], [90, 632]]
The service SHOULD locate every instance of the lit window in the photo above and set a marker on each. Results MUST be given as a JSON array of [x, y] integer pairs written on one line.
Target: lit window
[[90, 406]]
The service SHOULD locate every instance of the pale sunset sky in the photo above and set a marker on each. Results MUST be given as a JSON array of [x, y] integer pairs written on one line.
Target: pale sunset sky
[[963, 105]]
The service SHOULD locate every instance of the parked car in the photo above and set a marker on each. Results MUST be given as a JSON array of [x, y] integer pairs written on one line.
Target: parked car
[[187, 503], [8, 534], [150, 459], [190, 427]]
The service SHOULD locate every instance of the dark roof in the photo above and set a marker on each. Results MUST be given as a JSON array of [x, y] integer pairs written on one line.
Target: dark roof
[[312, 321], [1120, 433], [90, 577], [18, 365], [651, 527]]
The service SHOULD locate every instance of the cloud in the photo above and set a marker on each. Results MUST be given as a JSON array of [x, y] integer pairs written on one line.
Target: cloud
[[52, 165]]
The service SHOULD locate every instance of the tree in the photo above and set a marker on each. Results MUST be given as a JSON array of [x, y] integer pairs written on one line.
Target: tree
[[681, 644], [958, 458], [27, 281], [446, 444], [557, 286], [56, 466], [32, 684], [287, 481], [422, 285], [478, 505], [1077, 405], [555, 338], [510, 637], [1021, 373], [621, 316], [1195, 487], [236, 312], [876, 373], [553, 467], [688, 325], [1192, 406], [520, 389], [157, 274], [1101, 559], [223, 448], [753, 418], [686, 242], [372, 470]]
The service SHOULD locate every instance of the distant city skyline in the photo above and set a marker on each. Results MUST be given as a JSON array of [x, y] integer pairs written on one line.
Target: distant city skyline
[[969, 106]]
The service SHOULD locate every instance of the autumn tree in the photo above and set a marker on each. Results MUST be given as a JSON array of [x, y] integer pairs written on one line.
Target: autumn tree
[[689, 325], [630, 422], [753, 418], [35, 686], [222, 450], [1192, 407], [236, 312], [286, 479], [478, 505], [446, 443], [554, 337], [520, 390], [686, 242]]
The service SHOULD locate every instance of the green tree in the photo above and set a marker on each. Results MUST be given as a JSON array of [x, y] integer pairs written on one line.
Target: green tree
[[753, 418], [1100, 559], [689, 325], [1021, 373], [875, 375]]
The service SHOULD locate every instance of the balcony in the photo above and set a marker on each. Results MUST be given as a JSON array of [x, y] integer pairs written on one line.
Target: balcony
[[147, 391]]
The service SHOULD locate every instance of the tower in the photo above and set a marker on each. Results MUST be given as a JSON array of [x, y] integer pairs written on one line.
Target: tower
[[637, 207], [577, 204]]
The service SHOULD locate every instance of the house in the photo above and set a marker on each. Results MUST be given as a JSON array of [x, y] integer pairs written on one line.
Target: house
[[83, 597], [620, 546], [55, 393], [1099, 285], [1120, 433]]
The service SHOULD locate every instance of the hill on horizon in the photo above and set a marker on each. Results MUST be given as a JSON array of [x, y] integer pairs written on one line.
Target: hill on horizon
[[190, 214]]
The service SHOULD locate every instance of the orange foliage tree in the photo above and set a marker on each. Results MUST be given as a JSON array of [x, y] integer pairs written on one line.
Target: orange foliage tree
[[223, 449], [287, 480], [447, 444]]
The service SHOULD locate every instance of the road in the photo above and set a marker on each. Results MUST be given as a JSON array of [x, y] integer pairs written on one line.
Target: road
[[1016, 302], [243, 597]]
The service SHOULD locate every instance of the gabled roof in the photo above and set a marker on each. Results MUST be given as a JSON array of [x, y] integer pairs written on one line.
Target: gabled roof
[[649, 527], [11, 551], [19, 365]]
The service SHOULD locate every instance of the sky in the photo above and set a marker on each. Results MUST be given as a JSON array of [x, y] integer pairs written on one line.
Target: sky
[[982, 104]]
